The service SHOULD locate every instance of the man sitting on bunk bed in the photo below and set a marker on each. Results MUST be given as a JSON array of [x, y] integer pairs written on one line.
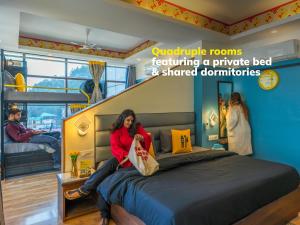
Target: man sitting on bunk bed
[[18, 133]]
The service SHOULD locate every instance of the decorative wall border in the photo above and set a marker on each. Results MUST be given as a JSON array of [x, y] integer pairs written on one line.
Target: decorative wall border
[[52, 45], [177, 12]]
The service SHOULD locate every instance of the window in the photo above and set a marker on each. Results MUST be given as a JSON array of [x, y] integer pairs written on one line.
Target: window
[[56, 72], [45, 116], [44, 67], [74, 84], [116, 80], [13, 56], [116, 73], [45, 82], [77, 69], [78, 72], [114, 88]]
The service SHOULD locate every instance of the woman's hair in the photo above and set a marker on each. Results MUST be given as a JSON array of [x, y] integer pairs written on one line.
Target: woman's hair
[[120, 121], [236, 99]]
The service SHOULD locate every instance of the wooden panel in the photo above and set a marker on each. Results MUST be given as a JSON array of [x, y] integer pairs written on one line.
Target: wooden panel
[[122, 217], [33, 200], [278, 212]]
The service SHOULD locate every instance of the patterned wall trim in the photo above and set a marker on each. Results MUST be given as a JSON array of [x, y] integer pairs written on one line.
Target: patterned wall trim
[[52, 45], [177, 12]]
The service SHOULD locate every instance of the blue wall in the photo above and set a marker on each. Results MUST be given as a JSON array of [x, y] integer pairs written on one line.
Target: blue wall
[[275, 115], [198, 99], [206, 100]]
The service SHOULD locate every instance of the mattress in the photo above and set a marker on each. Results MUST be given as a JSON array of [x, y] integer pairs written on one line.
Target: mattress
[[44, 97], [202, 188], [10, 148], [195, 149]]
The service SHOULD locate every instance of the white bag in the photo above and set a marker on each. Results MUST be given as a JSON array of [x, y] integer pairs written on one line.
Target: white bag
[[142, 160]]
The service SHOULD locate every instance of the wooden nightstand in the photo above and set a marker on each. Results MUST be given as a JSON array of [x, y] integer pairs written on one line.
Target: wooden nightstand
[[69, 209], [295, 221]]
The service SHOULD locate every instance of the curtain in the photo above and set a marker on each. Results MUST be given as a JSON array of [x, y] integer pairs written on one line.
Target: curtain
[[96, 70], [131, 76]]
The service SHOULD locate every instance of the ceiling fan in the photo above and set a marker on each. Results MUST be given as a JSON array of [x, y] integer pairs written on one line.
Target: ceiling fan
[[86, 45]]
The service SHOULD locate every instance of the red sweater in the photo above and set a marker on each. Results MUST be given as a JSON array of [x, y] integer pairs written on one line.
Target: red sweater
[[120, 142], [17, 132]]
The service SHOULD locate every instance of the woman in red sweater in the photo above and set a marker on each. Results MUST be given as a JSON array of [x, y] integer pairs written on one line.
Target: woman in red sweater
[[124, 130]]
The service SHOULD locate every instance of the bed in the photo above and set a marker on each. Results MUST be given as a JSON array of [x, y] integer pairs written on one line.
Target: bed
[[53, 97], [26, 158], [202, 188]]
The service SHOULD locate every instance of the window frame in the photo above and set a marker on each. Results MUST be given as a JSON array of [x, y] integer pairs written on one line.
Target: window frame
[[63, 105], [66, 61], [115, 81], [23, 56]]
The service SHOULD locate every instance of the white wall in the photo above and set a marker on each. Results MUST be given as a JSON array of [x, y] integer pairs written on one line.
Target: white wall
[[161, 94], [9, 28]]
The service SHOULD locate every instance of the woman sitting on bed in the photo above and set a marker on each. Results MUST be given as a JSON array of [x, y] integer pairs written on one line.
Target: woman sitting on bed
[[124, 130]]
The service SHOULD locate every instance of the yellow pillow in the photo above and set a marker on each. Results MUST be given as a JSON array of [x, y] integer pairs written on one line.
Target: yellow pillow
[[181, 141], [151, 149], [20, 80]]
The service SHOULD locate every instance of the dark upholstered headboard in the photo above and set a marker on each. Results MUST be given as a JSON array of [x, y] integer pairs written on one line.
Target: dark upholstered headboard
[[152, 122]]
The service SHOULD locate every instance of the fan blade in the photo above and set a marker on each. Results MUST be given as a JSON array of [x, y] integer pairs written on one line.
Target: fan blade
[[91, 45], [74, 43], [84, 47]]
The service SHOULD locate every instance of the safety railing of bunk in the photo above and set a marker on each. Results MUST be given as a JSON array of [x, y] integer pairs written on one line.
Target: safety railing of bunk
[[52, 88]]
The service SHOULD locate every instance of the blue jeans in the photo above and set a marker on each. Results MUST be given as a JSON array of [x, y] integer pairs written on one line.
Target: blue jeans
[[51, 139], [94, 181]]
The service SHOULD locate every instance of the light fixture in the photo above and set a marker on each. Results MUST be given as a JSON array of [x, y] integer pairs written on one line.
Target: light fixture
[[211, 119], [82, 124]]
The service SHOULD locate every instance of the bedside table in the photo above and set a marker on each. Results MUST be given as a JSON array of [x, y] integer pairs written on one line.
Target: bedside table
[[69, 209], [295, 221]]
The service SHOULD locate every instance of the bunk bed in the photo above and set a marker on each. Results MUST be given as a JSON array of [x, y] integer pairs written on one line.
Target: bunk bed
[[27, 158]]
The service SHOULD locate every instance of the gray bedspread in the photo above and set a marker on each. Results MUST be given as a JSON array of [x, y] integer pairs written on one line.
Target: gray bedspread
[[204, 188]]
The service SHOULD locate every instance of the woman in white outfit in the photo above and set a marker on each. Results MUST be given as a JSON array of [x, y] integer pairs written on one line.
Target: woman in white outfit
[[238, 128]]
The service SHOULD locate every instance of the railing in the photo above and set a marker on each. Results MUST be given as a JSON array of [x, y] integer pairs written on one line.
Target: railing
[[52, 88]]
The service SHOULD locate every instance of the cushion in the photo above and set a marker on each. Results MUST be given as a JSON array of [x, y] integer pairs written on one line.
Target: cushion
[[152, 148], [181, 141], [20, 80], [6, 138], [170, 154], [165, 141], [151, 151]]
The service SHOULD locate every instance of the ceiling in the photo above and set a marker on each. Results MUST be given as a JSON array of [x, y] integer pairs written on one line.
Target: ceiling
[[229, 11], [269, 36], [61, 31], [115, 16], [118, 25]]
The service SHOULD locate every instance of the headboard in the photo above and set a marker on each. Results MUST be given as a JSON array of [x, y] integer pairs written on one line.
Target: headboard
[[152, 122]]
